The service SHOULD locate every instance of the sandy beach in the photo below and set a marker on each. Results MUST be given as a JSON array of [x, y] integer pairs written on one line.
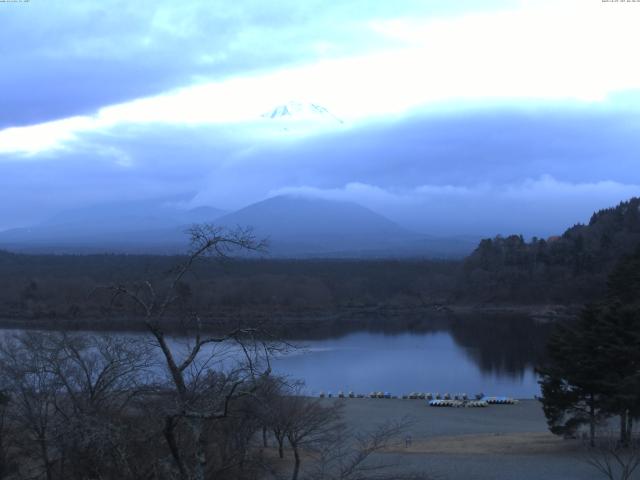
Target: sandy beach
[[499, 442]]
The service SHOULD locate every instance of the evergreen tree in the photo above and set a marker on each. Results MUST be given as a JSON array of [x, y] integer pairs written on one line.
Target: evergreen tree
[[570, 381], [593, 364], [620, 332]]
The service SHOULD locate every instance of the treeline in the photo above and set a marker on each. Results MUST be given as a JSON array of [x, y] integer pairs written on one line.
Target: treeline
[[152, 407], [571, 268], [568, 269], [56, 288]]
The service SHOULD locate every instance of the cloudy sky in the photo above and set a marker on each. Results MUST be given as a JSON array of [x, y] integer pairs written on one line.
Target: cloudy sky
[[457, 117]]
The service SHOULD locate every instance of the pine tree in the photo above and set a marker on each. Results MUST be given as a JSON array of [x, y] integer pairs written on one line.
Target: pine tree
[[593, 364], [570, 381], [620, 332]]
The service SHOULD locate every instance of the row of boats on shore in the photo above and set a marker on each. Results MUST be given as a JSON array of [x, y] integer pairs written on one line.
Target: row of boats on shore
[[482, 402], [434, 399]]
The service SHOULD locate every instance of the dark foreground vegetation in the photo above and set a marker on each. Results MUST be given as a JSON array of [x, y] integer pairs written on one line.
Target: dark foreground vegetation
[[81, 406], [571, 269], [592, 373], [90, 407], [98, 407]]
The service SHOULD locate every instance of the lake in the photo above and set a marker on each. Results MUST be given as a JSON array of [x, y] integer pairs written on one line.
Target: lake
[[488, 354], [402, 363]]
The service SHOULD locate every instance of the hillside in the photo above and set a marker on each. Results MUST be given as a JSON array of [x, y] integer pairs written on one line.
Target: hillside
[[125, 227], [296, 227], [570, 267], [502, 274], [300, 226], [303, 227]]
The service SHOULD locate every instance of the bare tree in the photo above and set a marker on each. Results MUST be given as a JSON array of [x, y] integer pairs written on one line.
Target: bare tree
[[5, 460], [97, 372], [35, 392], [67, 396], [310, 422], [271, 412], [350, 455], [614, 460], [200, 396], [100, 375]]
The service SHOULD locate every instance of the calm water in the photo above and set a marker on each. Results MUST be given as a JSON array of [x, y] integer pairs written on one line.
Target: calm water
[[402, 363], [492, 355]]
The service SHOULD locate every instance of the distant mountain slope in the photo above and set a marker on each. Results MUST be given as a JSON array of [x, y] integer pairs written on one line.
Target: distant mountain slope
[[297, 227], [139, 215], [302, 216], [303, 227], [132, 227]]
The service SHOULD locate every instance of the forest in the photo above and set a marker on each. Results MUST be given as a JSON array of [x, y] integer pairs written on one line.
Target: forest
[[504, 271], [80, 406]]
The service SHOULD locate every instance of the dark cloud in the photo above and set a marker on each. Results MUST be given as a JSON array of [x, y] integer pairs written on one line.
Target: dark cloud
[[65, 59], [492, 145], [475, 163], [467, 169]]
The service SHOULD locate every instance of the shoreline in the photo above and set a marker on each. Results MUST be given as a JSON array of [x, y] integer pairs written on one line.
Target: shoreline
[[324, 323], [500, 442]]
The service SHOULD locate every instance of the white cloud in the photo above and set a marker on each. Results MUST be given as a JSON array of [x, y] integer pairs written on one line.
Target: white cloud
[[379, 197], [546, 188], [564, 51], [541, 206], [44, 136], [543, 189]]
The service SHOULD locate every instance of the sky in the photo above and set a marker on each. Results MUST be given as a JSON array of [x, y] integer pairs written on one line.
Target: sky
[[451, 118]]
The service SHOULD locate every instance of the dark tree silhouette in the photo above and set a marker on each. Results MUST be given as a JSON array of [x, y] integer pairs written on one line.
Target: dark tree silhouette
[[593, 363]]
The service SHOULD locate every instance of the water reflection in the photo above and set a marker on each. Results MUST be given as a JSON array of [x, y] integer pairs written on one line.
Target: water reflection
[[494, 355], [462, 354], [505, 346]]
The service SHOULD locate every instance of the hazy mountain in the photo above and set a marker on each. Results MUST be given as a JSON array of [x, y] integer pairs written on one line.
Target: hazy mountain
[[141, 215], [300, 217], [133, 227], [300, 226], [295, 226]]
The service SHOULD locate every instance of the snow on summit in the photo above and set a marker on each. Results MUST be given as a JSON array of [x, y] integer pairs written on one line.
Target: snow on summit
[[295, 109], [301, 115]]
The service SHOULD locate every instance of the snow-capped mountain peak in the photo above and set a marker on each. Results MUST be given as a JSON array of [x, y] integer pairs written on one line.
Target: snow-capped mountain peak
[[301, 111]]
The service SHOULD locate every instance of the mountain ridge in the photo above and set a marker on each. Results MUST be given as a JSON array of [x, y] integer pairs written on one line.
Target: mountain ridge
[[297, 227]]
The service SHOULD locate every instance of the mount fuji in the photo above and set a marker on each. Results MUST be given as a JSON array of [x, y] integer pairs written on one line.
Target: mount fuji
[[302, 112]]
